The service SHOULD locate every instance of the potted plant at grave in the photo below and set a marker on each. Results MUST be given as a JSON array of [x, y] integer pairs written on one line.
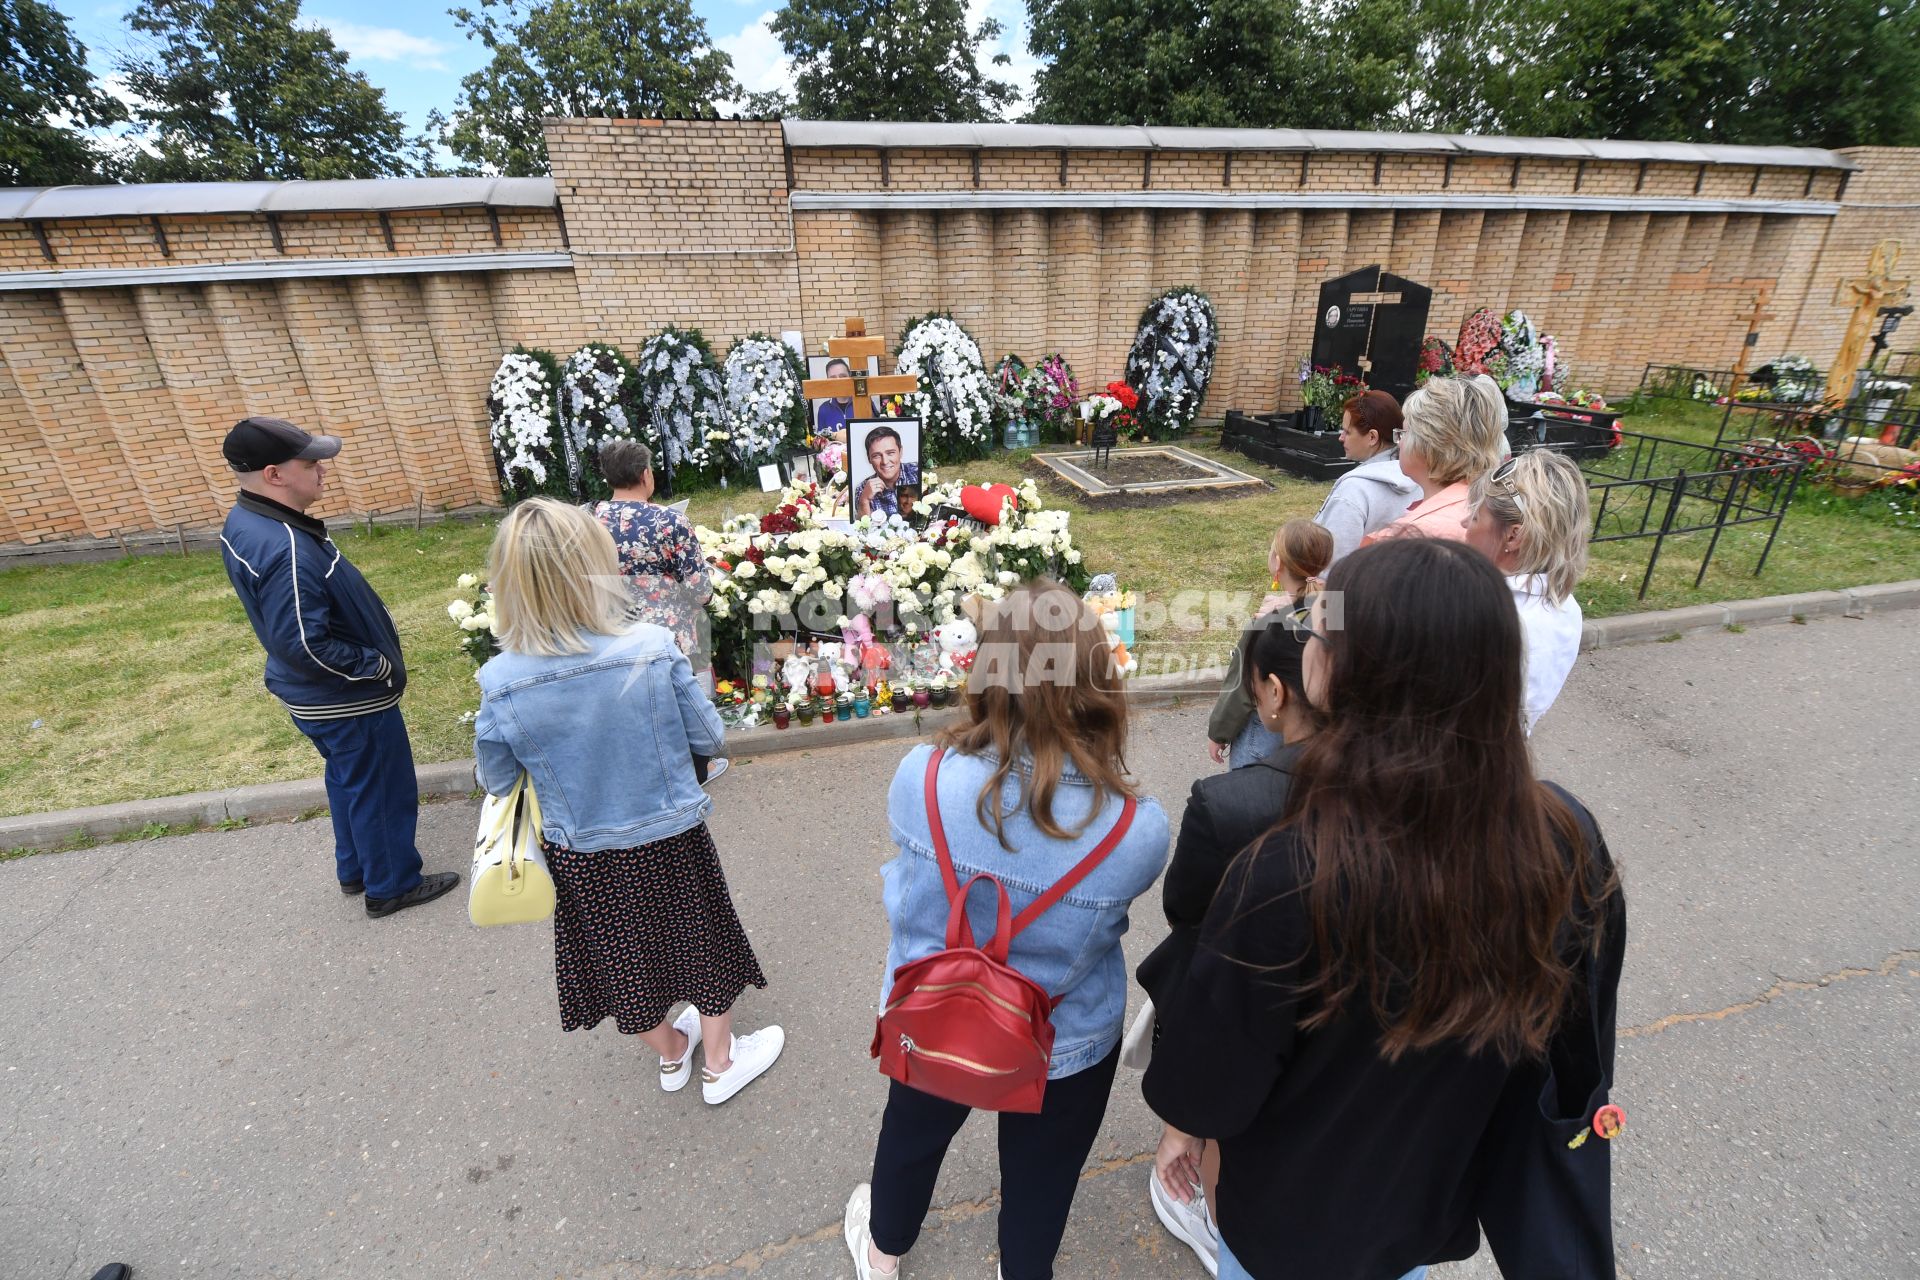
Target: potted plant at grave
[[1324, 391]]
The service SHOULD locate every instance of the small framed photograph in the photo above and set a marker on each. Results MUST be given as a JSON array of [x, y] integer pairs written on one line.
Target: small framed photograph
[[830, 416], [883, 466], [770, 478]]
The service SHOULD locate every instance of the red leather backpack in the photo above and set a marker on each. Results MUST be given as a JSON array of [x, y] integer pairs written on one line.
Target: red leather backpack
[[962, 1024]]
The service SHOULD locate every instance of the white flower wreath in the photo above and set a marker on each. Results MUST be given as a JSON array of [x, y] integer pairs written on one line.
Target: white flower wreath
[[521, 422], [593, 407], [680, 393], [956, 397], [762, 406], [1172, 358]]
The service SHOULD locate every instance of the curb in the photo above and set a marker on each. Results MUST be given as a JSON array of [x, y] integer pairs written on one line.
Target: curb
[[281, 801]]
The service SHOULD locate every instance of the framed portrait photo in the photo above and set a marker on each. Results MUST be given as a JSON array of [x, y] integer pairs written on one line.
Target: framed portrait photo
[[830, 416], [883, 466]]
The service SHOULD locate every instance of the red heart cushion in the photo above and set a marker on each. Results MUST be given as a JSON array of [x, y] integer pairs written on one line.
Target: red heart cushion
[[984, 503]]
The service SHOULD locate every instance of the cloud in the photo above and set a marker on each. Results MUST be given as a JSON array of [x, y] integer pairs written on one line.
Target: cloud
[[759, 63], [382, 44], [1023, 66]]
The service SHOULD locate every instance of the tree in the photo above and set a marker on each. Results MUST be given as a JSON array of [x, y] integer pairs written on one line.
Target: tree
[[890, 60], [579, 58], [1766, 72], [45, 90], [1221, 63], [232, 89], [1826, 73]]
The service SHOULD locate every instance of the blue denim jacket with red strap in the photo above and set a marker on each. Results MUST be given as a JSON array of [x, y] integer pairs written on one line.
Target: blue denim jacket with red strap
[[1072, 950]]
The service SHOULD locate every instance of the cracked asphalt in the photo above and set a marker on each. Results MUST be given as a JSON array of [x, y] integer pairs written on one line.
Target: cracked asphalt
[[214, 1065]]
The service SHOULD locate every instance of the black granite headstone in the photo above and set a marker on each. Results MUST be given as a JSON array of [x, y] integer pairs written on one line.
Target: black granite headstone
[[1372, 316]]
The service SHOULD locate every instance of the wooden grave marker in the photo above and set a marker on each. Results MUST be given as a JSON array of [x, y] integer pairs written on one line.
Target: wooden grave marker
[[1868, 293], [856, 347]]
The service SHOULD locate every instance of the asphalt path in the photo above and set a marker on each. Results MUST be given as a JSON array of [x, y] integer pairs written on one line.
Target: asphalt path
[[213, 1064]]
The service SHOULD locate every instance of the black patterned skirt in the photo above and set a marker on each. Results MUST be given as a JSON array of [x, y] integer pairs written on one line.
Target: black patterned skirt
[[636, 931]]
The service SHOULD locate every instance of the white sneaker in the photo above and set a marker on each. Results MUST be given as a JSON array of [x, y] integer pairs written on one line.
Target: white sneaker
[[856, 1228], [675, 1073], [1190, 1223], [752, 1055], [716, 769]]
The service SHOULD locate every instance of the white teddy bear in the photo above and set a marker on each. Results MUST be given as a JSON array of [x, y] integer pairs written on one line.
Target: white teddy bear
[[957, 640]]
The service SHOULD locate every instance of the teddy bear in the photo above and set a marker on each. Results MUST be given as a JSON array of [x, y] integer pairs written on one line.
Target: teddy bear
[[957, 640]]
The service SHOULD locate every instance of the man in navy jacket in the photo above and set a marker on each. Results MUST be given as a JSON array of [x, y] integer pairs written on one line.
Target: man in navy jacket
[[333, 658]]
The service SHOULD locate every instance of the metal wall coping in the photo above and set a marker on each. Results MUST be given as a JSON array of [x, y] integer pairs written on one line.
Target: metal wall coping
[[280, 269], [879, 200], [360, 195], [903, 134]]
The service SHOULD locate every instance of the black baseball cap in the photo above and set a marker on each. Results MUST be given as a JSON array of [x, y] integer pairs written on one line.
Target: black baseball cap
[[257, 443]]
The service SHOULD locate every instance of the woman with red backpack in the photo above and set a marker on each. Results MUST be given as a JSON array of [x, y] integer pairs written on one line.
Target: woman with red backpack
[[1024, 815]]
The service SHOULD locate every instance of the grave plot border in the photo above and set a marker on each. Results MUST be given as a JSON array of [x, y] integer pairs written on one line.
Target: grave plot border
[[1063, 464]]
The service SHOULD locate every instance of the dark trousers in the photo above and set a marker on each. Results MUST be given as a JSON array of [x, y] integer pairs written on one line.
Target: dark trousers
[[373, 797], [1040, 1160]]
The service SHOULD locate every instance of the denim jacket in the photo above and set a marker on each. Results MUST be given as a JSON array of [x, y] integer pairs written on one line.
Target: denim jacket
[[607, 736], [1073, 950]]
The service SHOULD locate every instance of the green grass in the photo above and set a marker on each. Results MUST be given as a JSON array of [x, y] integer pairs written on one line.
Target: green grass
[[145, 678]]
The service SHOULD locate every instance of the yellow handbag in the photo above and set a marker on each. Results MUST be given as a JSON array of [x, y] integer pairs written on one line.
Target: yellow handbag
[[509, 882]]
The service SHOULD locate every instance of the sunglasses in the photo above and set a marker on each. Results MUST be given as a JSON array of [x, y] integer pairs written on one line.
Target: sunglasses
[[1503, 476]]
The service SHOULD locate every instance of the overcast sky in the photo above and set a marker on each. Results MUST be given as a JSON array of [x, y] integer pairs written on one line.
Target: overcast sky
[[414, 51]]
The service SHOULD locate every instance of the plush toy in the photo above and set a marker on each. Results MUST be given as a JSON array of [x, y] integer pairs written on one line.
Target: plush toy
[[796, 673], [875, 661], [957, 640], [986, 503], [834, 656], [857, 635]]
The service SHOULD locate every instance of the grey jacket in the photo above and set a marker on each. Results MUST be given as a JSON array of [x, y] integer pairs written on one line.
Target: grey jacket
[[1371, 496]]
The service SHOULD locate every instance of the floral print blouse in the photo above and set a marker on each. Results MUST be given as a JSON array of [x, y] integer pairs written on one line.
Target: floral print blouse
[[666, 574]]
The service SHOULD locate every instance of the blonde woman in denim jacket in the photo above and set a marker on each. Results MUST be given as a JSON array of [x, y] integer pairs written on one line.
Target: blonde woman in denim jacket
[[604, 716], [1031, 781]]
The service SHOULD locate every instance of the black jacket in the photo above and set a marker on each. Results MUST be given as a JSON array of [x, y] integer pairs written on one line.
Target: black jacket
[[1226, 812], [1334, 1162], [332, 648]]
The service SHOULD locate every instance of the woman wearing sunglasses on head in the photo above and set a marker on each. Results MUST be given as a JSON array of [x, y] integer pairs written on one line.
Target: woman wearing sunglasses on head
[[1530, 517], [1417, 960]]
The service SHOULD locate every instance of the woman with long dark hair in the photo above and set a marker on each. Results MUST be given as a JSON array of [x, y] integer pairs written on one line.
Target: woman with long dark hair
[[1426, 921]]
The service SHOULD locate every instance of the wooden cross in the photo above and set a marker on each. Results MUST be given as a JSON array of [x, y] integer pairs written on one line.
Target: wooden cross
[[1374, 299], [1868, 294], [856, 347], [1760, 316]]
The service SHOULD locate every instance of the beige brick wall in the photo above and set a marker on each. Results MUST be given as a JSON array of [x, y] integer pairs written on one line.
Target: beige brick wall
[[113, 401]]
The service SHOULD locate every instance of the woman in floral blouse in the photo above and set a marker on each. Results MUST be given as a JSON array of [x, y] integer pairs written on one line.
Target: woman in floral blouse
[[660, 556]]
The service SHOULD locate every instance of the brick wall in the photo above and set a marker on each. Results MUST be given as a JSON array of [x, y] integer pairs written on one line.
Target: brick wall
[[113, 400]]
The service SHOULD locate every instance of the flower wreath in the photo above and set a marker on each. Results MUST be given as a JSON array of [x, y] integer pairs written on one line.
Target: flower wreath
[[522, 425], [955, 403], [1052, 393], [680, 394], [1172, 359], [597, 404], [763, 409]]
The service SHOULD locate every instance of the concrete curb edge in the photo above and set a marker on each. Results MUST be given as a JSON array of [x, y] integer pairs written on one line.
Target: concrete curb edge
[[281, 801]]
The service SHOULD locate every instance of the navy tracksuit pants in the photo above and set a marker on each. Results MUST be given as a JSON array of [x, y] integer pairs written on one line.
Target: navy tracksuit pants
[[374, 799]]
